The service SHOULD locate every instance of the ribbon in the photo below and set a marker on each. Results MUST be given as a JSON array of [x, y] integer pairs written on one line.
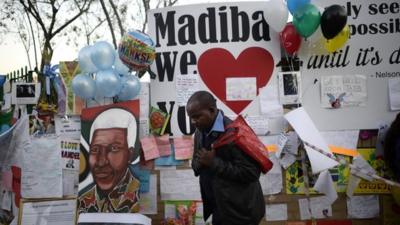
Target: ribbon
[[50, 72]]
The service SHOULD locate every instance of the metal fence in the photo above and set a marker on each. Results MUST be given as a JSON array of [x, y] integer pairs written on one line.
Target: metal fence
[[21, 75]]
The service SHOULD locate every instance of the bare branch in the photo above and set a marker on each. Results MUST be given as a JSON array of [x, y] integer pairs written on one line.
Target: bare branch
[[83, 9], [109, 22], [121, 28]]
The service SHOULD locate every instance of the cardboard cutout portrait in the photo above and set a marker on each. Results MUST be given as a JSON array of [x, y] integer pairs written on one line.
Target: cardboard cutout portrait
[[109, 148]]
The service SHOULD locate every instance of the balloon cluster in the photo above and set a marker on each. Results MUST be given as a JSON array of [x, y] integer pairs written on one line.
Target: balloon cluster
[[306, 22], [107, 72]]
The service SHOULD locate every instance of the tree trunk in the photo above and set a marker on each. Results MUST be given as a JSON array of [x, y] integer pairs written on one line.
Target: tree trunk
[[47, 54]]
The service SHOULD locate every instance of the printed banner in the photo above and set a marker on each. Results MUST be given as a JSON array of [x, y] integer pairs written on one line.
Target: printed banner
[[218, 43]]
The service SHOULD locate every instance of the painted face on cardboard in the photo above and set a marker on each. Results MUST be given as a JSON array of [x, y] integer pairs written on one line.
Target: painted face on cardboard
[[109, 157], [200, 116]]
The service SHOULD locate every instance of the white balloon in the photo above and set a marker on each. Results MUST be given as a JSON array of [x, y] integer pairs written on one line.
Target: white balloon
[[277, 14]]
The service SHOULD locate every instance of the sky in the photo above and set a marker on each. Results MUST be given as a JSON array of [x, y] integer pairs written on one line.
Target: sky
[[13, 55]]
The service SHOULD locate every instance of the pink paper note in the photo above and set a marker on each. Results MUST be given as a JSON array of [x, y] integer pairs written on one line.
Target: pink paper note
[[6, 180], [149, 146], [183, 147], [163, 145]]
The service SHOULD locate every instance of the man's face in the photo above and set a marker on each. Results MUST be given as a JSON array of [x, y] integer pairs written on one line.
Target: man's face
[[109, 157], [201, 117]]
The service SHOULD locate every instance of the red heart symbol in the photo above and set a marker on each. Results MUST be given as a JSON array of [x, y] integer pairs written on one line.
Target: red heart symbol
[[217, 64]]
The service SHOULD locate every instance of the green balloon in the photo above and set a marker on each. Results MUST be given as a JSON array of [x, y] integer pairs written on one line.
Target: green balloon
[[306, 20]]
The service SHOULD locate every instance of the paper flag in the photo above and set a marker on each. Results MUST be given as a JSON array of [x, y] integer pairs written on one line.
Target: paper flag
[[305, 128], [360, 162], [326, 186]]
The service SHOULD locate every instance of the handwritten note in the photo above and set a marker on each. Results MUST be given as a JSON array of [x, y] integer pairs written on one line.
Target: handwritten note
[[271, 182], [42, 169], [144, 128], [241, 89], [149, 147], [363, 207], [144, 99], [269, 100], [163, 145], [69, 126], [343, 138], [276, 212], [186, 85], [168, 161], [179, 185], [183, 147], [259, 124], [341, 91], [316, 207], [394, 94], [281, 144]]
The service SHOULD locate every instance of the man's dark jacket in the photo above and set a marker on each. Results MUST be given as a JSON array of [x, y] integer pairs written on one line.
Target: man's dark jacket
[[231, 185]]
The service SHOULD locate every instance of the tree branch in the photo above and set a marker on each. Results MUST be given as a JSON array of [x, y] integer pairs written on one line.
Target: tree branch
[[121, 28], [30, 8], [81, 11], [109, 22]]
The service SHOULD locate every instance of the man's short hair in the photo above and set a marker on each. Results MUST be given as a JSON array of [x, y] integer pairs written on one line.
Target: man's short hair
[[116, 118], [204, 98]]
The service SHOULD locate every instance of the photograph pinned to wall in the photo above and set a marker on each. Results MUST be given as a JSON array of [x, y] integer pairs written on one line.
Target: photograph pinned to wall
[[343, 91], [289, 87], [41, 124], [25, 93]]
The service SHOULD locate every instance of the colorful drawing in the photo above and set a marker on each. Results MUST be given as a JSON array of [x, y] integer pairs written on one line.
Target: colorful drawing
[[295, 177], [336, 102], [374, 187], [184, 213], [68, 70], [109, 148]]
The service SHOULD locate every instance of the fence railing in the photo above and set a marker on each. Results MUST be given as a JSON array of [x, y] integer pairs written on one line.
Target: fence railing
[[22, 74]]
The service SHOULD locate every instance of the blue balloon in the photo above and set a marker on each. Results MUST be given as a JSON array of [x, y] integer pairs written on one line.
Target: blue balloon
[[295, 5], [4, 128], [85, 61], [103, 55], [130, 88], [108, 83], [119, 67], [84, 86], [142, 37]]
